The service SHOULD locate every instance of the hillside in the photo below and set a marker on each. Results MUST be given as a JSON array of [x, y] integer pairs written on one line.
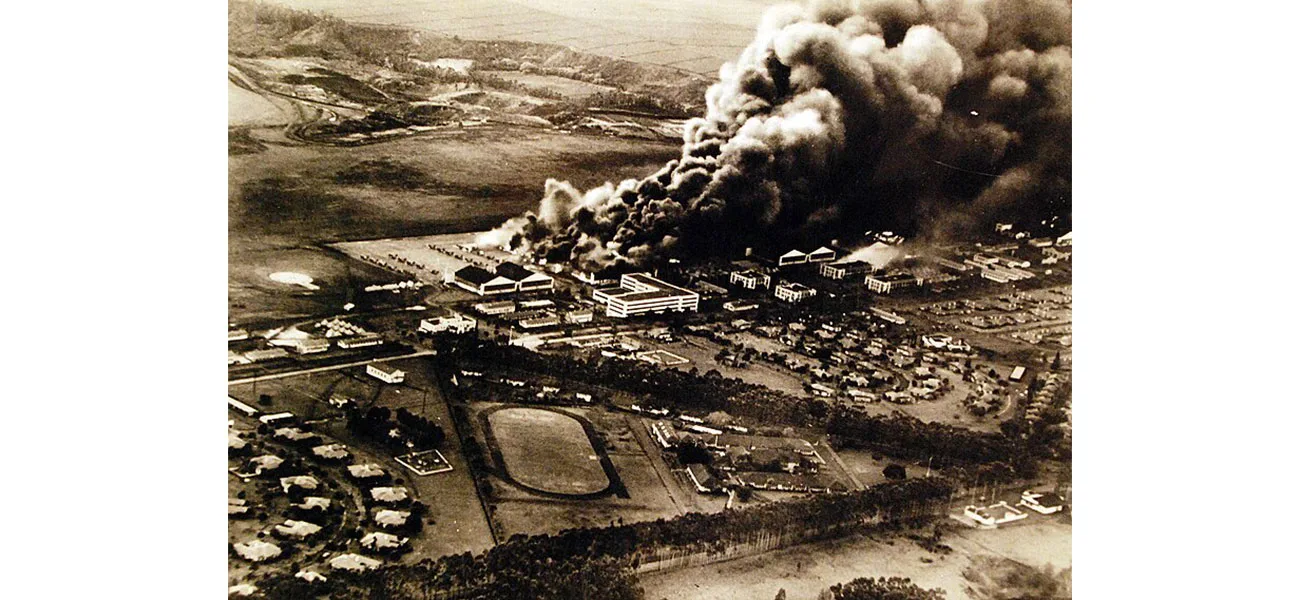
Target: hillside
[[266, 30]]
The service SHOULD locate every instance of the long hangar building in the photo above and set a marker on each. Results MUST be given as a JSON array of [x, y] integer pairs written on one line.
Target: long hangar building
[[639, 293]]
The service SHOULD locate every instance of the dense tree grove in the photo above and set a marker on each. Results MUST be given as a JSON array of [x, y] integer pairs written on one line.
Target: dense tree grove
[[596, 563], [891, 588]]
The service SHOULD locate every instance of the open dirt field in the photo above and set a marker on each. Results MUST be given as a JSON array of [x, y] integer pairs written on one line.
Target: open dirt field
[[548, 451], [806, 570], [693, 35]]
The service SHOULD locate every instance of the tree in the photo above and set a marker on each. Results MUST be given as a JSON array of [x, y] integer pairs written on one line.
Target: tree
[[691, 453], [718, 417], [264, 399], [895, 472], [1056, 362]]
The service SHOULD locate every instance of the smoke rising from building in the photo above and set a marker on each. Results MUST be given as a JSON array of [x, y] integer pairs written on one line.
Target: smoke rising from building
[[927, 116]]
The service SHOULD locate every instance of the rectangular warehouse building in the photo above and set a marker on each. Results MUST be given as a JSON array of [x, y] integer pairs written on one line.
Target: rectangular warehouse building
[[640, 293]]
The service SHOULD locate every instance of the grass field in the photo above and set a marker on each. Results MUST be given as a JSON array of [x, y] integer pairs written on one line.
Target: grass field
[[693, 35], [547, 451]]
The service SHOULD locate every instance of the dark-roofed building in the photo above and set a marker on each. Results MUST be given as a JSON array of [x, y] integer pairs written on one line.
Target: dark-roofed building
[[483, 282], [528, 281], [821, 255], [704, 481], [1042, 502]]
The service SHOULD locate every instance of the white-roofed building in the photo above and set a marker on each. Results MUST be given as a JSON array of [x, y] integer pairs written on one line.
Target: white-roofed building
[[297, 530], [390, 495], [392, 518], [353, 562], [330, 451], [257, 550], [385, 373], [302, 482], [366, 471], [379, 541]]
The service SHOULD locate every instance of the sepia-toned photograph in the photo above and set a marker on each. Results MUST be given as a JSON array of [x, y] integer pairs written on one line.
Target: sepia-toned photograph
[[649, 300]]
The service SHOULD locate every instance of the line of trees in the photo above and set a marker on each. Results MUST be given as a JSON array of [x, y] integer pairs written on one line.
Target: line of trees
[[898, 435], [597, 563]]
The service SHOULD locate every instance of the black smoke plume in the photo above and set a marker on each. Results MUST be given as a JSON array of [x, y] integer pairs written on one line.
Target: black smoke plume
[[923, 116]]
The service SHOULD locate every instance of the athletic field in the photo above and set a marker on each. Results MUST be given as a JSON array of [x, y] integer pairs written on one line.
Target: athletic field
[[547, 451]]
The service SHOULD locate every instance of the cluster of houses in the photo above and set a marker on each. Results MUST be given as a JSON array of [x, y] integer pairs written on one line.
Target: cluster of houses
[[391, 510], [846, 360]]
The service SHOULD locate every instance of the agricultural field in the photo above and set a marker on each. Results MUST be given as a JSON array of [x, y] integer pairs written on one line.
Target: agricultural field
[[692, 35]]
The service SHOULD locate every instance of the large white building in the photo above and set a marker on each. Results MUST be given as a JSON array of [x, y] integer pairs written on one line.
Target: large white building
[[884, 284], [794, 292], [840, 270], [385, 373], [453, 322], [751, 279], [640, 293]]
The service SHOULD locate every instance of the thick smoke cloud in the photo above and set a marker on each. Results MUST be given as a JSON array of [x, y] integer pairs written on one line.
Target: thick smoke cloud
[[927, 116]]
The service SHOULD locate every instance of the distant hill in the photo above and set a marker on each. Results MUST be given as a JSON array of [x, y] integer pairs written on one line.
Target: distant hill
[[267, 30]]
